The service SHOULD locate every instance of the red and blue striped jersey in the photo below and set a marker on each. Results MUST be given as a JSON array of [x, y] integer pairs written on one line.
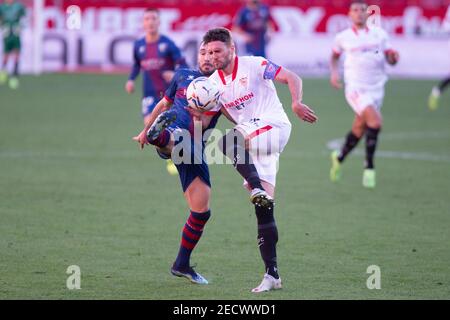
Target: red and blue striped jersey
[[254, 22], [154, 58]]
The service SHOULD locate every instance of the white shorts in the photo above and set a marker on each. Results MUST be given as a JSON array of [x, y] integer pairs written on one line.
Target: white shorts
[[360, 98], [267, 140]]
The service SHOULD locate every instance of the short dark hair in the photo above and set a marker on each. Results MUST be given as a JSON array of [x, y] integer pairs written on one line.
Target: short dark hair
[[152, 9], [218, 34], [358, 2]]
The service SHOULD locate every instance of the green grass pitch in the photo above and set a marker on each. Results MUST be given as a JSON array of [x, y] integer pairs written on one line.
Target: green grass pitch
[[75, 190]]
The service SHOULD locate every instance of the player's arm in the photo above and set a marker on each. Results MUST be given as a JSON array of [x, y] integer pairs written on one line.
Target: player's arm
[[178, 60], [335, 78], [238, 22], [247, 37], [270, 30], [227, 115], [207, 118], [392, 56], [338, 48], [204, 116], [22, 12], [135, 69], [163, 105], [295, 86], [271, 27]]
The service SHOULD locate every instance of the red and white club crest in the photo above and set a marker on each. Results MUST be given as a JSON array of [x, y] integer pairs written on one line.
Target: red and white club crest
[[243, 81]]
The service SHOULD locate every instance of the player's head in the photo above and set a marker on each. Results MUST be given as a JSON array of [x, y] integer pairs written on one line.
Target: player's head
[[151, 20], [204, 61], [220, 47], [252, 3], [358, 12]]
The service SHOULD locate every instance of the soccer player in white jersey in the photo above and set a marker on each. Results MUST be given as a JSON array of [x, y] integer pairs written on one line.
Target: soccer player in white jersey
[[366, 52], [249, 99]]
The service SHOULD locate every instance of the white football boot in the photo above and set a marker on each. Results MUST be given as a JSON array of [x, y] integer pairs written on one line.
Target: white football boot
[[268, 283]]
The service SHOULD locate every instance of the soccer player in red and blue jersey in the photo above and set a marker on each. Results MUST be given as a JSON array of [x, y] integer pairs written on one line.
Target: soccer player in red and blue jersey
[[253, 22], [158, 57], [163, 128]]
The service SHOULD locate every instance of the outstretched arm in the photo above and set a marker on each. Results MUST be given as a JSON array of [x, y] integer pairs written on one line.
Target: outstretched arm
[[204, 116], [392, 56], [135, 69], [296, 89], [334, 67]]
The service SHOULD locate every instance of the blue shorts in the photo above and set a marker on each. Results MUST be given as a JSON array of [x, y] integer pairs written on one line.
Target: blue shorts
[[148, 104], [189, 171]]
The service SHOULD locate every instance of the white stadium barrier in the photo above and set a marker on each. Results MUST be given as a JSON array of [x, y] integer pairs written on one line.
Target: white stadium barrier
[[100, 38]]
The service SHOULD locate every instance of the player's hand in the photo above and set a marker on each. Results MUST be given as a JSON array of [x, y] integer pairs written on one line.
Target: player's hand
[[196, 114], [141, 138], [335, 80], [304, 112], [129, 86], [392, 57]]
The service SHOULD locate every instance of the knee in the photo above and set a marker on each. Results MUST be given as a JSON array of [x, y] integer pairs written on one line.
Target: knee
[[379, 123], [200, 208], [375, 122], [200, 203], [197, 195], [372, 118]]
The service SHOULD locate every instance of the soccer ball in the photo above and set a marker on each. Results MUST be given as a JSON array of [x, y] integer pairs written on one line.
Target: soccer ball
[[203, 94]]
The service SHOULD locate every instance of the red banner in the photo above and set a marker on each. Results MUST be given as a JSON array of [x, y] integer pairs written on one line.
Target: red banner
[[291, 17]]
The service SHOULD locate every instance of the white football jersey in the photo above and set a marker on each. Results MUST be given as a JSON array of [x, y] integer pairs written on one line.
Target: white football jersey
[[249, 92], [364, 64]]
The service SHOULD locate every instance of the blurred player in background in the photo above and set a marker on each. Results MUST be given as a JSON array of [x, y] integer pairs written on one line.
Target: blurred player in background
[[158, 57], [433, 100], [250, 101], [254, 23], [11, 14], [366, 50], [168, 117]]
